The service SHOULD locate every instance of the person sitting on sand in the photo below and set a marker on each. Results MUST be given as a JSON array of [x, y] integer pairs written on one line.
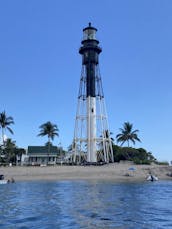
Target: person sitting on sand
[[12, 180]]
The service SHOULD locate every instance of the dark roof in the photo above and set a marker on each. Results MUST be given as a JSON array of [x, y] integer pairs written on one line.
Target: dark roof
[[42, 150]]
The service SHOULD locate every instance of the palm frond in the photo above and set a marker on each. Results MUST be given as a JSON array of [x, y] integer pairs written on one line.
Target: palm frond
[[135, 131], [10, 130]]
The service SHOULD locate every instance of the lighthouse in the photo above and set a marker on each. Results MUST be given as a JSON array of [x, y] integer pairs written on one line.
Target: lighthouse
[[92, 142]]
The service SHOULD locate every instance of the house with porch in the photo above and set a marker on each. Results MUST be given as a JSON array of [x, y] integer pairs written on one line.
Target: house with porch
[[43, 155]]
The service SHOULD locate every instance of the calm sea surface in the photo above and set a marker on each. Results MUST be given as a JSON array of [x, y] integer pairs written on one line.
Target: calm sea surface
[[82, 204]]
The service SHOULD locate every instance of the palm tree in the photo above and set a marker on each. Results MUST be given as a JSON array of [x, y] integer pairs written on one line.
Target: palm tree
[[127, 134], [10, 150], [49, 129], [5, 122]]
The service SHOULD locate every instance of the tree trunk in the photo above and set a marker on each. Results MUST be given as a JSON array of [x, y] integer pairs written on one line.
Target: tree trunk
[[48, 150], [3, 141]]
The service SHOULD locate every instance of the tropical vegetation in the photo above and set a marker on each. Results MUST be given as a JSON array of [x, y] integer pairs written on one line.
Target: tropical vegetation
[[50, 130], [10, 153], [127, 134], [5, 122], [138, 156]]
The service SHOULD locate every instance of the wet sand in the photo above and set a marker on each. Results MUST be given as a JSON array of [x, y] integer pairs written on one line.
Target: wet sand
[[118, 172]]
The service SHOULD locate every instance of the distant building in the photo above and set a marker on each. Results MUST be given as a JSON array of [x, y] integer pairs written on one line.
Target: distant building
[[40, 155]]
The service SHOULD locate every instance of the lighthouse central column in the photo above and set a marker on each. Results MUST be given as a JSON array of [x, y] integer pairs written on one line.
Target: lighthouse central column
[[91, 111], [91, 129]]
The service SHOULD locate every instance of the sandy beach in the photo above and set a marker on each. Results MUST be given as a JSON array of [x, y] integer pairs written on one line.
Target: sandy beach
[[117, 172]]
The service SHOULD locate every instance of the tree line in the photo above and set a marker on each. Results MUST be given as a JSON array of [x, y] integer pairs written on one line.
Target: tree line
[[9, 150]]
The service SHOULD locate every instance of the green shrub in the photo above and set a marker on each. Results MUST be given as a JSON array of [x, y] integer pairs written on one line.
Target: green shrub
[[138, 156], [141, 162], [162, 163]]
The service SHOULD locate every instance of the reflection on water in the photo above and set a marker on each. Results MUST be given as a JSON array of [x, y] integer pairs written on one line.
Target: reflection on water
[[82, 204]]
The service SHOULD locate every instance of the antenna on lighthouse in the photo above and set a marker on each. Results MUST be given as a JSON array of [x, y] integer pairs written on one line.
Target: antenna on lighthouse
[[92, 142]]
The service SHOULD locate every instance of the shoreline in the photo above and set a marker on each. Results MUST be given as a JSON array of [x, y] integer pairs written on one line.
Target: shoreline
[[117, 172]]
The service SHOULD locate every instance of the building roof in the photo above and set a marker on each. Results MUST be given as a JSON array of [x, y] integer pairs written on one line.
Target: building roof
[[43, 150]]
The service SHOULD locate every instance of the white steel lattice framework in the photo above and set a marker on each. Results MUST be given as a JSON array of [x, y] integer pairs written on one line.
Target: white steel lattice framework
[[92, 142]]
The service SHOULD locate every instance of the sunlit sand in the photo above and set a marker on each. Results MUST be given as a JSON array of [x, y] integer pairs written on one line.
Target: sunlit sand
[[117, 172]]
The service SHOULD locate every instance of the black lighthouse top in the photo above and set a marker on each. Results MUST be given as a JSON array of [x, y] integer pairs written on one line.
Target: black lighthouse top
[[89, 41], [90, 51], [89, 33]]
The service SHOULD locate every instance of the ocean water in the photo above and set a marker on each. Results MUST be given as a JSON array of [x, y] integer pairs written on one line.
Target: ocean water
[[85, 204]]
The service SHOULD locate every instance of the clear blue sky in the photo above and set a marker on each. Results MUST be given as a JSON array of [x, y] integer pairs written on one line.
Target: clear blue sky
[[40, 66]]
